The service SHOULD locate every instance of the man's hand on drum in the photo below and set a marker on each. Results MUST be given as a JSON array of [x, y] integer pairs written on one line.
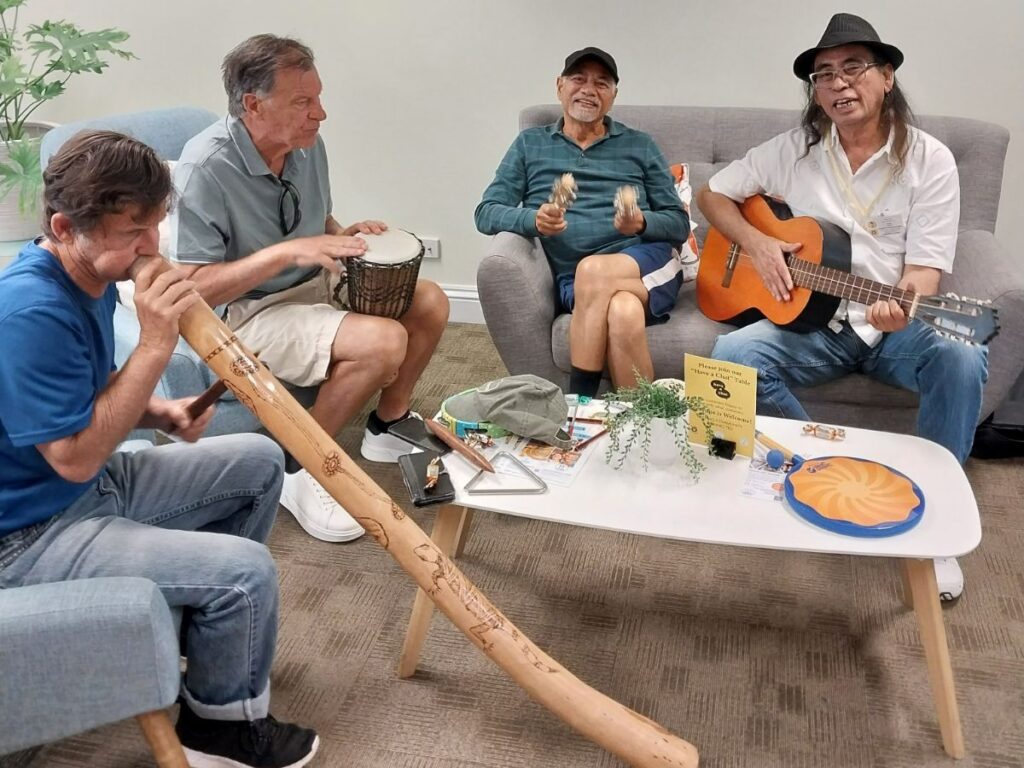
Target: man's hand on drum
[[324, 250], [368, 227], [550, 220]]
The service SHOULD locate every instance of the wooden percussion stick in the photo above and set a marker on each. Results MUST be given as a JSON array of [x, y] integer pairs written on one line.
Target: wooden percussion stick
[[205, 400], [196, 407], [769, 443], [632, 737], [453, 442]]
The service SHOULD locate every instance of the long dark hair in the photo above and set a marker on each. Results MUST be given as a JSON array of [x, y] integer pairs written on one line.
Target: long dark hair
[[896, 116]]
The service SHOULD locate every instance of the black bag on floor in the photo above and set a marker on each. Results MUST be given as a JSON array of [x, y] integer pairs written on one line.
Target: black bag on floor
[[1001, 435], [994, 440]]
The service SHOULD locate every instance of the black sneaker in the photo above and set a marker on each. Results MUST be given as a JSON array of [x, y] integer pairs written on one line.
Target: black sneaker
[[263, 743]]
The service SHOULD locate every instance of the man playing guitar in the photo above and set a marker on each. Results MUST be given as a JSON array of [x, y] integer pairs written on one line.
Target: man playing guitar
[[857, 161]]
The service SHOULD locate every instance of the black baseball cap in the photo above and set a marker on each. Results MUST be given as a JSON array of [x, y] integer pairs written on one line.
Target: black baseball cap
[[590, 52]]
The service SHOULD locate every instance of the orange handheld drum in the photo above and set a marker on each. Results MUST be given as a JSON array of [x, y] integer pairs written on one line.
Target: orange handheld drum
[[856, 497], [383, 280]]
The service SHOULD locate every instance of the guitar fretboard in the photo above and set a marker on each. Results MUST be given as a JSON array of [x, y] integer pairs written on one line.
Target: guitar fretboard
[[835, 282]]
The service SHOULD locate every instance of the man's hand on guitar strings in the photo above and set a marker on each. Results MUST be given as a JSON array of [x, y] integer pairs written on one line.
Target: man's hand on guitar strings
[[886, 316], [768, 255]]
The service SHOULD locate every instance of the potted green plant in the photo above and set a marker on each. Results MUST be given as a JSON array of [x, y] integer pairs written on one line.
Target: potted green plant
[[35, 65], [651, 417]]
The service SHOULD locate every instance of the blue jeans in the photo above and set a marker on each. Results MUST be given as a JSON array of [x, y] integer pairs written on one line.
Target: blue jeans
[[948, 375], [192, 518]]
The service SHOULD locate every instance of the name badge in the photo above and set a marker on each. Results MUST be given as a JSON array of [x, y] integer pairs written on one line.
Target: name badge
[[880, 226]]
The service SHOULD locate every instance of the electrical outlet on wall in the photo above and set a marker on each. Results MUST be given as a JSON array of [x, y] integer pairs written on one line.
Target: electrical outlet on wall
[[431, 247]]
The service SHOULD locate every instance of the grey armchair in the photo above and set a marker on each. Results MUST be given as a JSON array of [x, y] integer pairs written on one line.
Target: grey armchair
[[167, 131], [518, 297], [75, 655]]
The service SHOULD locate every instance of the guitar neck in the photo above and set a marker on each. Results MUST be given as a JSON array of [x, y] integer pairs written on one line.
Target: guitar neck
[[835, 282]]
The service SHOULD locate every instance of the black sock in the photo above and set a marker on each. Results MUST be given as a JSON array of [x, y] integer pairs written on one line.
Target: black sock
[[583, 382], [378, 425]]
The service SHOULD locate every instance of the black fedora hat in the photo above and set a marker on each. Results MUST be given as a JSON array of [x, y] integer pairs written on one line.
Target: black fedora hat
[[846, 29]]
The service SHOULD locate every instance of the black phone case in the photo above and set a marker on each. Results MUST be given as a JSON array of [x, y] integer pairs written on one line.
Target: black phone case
[[414, 473], [414, 431]]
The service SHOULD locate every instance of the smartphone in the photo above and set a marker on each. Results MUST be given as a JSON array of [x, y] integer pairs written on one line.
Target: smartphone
[[414, 473], [414, 431]]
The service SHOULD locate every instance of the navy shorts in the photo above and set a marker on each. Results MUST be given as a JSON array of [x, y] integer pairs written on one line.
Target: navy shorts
[[660, 270]]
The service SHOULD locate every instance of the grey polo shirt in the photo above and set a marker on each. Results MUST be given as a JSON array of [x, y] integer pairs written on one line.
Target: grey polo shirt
[[228, 201]]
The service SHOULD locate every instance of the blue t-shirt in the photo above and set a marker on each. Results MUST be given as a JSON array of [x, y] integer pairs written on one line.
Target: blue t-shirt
[[56, 355]]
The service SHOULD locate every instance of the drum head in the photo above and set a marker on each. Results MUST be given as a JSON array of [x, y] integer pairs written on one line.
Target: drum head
[[855, 497], [393, 246]]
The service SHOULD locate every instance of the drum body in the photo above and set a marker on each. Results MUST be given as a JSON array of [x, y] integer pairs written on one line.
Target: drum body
[[383, 280]]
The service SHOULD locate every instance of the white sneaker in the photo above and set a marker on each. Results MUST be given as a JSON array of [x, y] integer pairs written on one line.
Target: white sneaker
[[385, 448], [316, 510], [949, 578]]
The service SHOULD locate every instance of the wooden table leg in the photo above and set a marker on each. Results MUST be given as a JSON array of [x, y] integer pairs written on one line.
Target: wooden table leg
[[447, 525], [908, 594], [920, 576], [463, 534], [162, 739]]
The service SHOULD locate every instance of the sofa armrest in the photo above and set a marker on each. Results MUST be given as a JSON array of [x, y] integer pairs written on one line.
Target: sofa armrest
[[517, 295], [77, 654], [984, 269]]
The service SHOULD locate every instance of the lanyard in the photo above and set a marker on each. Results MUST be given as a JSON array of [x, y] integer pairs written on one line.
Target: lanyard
[[846, 184]]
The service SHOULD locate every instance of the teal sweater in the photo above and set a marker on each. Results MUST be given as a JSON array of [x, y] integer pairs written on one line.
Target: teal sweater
[[538, 156]]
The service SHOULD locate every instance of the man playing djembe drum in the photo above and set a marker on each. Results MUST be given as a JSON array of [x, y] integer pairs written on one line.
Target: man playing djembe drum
[[253, 228], [617, 271]]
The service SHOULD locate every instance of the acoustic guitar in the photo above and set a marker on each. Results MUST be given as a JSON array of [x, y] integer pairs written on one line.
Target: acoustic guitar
[[729, 288]]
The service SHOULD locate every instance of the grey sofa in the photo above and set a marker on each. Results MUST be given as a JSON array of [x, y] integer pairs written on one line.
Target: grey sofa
[[517, 290]]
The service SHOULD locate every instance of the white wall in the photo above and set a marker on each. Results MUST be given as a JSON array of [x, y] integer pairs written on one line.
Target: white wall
[[423, 95]]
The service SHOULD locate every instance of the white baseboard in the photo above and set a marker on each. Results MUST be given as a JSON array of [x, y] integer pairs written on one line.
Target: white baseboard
[[465, 304]]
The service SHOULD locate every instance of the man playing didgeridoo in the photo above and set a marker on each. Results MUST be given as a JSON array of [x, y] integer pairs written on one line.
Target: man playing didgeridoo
[[192, 518], [858, 162]]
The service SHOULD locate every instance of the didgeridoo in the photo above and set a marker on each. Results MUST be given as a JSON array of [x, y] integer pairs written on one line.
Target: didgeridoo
[[627, 734]]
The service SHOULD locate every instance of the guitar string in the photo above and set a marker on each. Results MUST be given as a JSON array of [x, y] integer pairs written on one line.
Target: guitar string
[[845, 284]]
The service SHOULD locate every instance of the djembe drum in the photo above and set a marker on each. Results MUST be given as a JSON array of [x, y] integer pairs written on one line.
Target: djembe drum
[[383, 280]]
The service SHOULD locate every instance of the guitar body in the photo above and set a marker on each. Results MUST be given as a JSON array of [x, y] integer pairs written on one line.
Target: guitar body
[[745, 300]]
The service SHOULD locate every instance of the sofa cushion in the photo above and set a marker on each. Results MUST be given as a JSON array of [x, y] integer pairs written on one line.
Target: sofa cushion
[[689, 253]]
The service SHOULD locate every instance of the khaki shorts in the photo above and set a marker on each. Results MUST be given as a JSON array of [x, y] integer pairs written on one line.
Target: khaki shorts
[[293, 330]]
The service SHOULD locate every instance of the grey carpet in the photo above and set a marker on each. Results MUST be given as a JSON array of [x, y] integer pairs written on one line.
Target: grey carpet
[[759, 658]]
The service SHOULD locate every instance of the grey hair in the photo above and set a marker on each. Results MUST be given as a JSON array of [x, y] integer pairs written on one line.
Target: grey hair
[[252, 65]]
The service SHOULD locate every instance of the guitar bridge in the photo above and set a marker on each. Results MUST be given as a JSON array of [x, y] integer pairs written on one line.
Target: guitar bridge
[[730, 264]]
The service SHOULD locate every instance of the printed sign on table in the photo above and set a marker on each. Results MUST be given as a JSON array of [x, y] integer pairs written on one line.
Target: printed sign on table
[[730, 390]]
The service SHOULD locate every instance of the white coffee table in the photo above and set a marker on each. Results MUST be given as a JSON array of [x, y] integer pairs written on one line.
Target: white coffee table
[[666, 504]]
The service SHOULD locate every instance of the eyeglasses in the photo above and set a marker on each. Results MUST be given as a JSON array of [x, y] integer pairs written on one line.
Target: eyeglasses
[[288, 190], [851, 72]]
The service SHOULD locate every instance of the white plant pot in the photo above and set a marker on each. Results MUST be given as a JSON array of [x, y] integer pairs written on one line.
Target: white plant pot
[[15, 225], [663, 451]]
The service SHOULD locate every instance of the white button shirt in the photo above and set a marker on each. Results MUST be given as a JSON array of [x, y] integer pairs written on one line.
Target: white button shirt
[[916, 216]]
